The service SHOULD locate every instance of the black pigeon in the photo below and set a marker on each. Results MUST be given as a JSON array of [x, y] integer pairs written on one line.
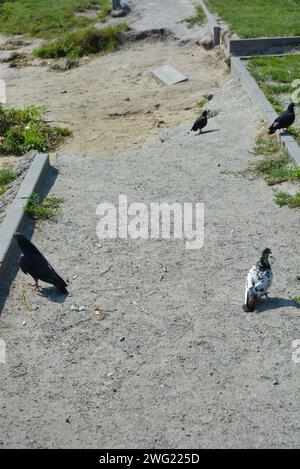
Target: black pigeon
[[200, 123], [284, 120], [32, 262]]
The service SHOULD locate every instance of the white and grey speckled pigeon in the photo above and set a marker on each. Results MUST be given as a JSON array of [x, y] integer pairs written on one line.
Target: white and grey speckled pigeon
[[259, 281]]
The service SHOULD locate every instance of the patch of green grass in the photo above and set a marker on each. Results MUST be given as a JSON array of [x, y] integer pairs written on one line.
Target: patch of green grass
[[281, 70], [84, 42], [197, 19], [274, 169], [6, 176], [266, 146], [292, 201], [22, 130], [259, 18], [275, 76], [295, 133], [105, 9], [276, 166], [200, 103], [47, 18], [43, 209], [297, 299]]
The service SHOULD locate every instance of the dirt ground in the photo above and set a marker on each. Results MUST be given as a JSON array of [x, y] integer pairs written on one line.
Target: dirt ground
[[159, 357], [113, 103], [151, 349]]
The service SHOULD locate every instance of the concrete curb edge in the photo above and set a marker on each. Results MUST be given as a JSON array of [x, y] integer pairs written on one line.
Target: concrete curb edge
[[239, 71], [16, 215], [212, 23]]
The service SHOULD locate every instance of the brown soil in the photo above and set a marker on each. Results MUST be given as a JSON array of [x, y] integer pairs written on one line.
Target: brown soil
[[113, 102]]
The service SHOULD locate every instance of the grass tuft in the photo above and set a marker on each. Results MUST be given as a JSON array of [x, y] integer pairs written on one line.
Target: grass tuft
[[43, 209], [196, 20], [6, 176], [266, 146], [200, 103], [85, 42], [105, 9], [292, 201], [22, 130], [276, 166]]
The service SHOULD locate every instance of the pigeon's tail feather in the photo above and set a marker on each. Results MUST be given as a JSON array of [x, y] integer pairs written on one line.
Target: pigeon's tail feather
[[248, 306], [60, 284], [194, 128]]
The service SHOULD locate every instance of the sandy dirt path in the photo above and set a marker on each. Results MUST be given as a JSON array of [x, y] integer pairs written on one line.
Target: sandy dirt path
[[171, 360], [113, 103]]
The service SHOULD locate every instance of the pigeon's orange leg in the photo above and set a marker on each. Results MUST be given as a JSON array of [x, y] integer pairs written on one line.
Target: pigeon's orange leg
[[36, 287]]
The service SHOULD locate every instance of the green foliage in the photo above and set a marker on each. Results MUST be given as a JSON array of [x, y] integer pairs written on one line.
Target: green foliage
[[105, 9], [198, 19], [43, 209], [259, 18], [200, 103], [292, 201], [84, 42], [6, 176], [275, 76], [266, 146], [47, 18], [22, 130]]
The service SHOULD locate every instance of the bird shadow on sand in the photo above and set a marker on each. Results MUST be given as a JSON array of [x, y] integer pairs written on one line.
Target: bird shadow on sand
[[27, 229], [53, 295], [269, 304], [207, 132]]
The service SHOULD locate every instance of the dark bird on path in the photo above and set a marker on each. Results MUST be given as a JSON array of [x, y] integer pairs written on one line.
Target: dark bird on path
[[284, 120], [200, 123], [259, 280], [32, 262]]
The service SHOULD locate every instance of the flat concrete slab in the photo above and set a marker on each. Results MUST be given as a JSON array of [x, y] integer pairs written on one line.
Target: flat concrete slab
[[169, 75]]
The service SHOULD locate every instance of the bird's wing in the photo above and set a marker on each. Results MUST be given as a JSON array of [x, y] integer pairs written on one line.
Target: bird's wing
[[259, 280]]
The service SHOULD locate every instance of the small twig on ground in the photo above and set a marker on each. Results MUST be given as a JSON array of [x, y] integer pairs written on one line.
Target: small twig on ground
[[160, 263], [105, 271], [24, 302], [140, 306]]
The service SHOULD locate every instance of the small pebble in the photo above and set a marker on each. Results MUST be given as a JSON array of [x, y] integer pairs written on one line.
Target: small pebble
[[82, 308], [74, 276], [24, 323], [275, 382]]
